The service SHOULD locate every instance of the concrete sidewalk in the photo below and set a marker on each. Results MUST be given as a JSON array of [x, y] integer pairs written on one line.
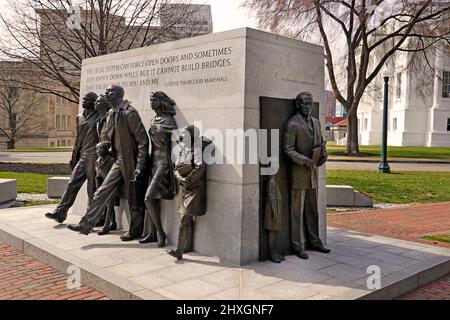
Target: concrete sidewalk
[[132, 271], [392, 160]]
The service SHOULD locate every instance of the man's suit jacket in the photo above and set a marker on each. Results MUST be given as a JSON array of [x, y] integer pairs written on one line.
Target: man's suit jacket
[[299, 143]]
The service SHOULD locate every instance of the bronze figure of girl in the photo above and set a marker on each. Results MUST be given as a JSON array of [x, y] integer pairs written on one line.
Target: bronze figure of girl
[[162, 182]]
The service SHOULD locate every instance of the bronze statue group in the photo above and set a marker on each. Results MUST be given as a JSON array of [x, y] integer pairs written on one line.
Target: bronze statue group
[[112, 152]]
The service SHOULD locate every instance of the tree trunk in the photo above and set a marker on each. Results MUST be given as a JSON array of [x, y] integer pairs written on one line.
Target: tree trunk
[[10, 145], [352, 133]]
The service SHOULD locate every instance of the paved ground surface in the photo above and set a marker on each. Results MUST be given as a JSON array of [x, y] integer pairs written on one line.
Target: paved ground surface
[[409, 223], [64, 157], [334, 165], [148, 272], [377, 159], [437, 290], [36, 156], [24, 278]]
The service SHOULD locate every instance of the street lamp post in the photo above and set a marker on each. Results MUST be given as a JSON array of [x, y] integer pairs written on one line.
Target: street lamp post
[[384, 165]]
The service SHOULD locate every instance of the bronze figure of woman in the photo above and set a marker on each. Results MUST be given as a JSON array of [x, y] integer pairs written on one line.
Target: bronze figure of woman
[[162, 183]]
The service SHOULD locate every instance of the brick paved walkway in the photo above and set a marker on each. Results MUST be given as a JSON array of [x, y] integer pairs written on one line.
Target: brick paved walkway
[[24, 278], [408, 223], [437, 290]]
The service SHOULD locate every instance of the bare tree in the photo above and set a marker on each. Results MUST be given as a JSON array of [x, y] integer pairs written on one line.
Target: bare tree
[[362, 29], [56, 35], [20, 112]]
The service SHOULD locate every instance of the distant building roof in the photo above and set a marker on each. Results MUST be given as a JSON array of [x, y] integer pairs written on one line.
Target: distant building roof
[[343, 123], [334, 120]]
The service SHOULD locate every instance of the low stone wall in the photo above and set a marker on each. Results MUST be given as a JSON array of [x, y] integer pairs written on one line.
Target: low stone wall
[[40, 168]]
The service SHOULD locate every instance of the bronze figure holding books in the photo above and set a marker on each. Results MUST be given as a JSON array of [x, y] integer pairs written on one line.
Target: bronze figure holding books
[[305, 147]]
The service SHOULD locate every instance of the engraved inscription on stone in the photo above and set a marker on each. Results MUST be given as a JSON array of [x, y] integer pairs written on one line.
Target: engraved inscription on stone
[[179, 68]]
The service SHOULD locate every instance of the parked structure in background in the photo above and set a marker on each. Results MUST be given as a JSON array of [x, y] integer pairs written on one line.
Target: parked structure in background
[[419, 102], [55, 113], [335, 128]]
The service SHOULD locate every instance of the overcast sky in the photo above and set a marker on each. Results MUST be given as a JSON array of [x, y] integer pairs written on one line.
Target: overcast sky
[[227, 14]]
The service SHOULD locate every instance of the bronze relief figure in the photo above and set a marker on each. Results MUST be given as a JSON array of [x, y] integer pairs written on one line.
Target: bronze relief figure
[[305, 148], [162, 183]]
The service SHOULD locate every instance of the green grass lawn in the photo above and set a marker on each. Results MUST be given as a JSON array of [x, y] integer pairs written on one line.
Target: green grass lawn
[[396, 188], [397, 152], [439, 237], [28, 182]]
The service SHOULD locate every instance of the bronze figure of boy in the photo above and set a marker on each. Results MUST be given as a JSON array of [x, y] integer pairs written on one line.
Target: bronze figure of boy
[[190, 171], [103, 165], [304, 146]]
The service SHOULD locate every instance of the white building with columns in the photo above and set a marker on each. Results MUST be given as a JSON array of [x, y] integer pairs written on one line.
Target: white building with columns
[[419, 102]]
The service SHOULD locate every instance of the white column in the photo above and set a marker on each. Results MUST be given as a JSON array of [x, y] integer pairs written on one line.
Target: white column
[[437, 93]]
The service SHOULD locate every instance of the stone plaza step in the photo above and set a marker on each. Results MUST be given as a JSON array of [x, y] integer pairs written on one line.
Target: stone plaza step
[[347, 196], [132, 271], [56, 186], [8, 190]]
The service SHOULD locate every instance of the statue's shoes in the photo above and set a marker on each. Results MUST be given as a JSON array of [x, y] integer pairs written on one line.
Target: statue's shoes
[[149, 239], [74, 227], [103, 231], [55, 216], [127, 237], [78, 228], [275, 259], [302, 254], [320, 248], [162, 240], [175, 253]]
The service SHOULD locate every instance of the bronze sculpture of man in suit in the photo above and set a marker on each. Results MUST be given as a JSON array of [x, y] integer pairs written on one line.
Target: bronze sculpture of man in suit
[[83, 159], [304, 146]]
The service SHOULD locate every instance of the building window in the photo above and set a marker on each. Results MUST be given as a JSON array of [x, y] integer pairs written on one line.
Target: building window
[[52, 144], [398, 86], [448, 124], [68, 123], [366, 124], [394, 124], [58, 124], [63, 123], [446, 85]]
